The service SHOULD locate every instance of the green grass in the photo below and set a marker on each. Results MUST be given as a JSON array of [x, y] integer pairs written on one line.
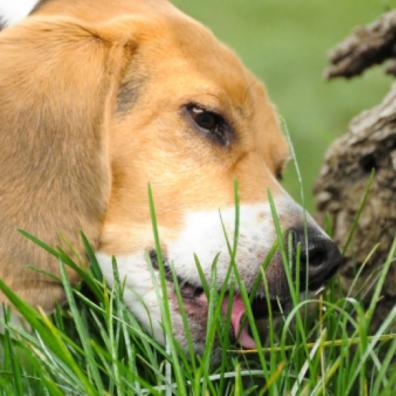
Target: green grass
[[321, 345]]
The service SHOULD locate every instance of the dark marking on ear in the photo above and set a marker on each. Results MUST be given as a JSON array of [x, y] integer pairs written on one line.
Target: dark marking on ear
[[2, 23], [128, 94]]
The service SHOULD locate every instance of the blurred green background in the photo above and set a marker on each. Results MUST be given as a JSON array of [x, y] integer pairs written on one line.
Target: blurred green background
[[285, 42]]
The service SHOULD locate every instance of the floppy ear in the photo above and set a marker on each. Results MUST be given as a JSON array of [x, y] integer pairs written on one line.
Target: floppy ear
[[58, 85]]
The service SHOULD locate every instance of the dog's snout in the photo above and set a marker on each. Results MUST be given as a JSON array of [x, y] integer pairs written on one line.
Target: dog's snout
[[319, 255]]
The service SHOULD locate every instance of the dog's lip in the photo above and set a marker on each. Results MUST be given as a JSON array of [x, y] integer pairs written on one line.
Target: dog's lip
[[192, 294], [260, 306], [188, 291]]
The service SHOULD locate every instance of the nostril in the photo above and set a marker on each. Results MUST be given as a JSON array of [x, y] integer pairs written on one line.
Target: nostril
[[316, 256], [321, 251], [316, 251]]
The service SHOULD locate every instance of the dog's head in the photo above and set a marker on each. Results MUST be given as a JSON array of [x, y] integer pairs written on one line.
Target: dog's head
[[94, 110]]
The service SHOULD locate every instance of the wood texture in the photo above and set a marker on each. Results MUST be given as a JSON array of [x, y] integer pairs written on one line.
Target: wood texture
[[365, 47], [369, 143]]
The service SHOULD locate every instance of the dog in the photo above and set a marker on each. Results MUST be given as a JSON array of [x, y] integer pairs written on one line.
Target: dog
[[99, 99]]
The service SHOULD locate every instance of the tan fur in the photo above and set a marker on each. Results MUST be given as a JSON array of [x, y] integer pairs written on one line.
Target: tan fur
[[72, 158]]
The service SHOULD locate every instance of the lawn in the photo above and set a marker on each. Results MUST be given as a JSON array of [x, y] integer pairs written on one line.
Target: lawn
[[323, 345], [320, 345]]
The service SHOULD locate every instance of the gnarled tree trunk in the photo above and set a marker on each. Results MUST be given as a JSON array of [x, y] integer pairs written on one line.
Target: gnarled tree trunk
[[370, 143]]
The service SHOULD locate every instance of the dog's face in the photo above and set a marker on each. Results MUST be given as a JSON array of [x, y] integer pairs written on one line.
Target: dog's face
[[189, 119], [199, 121]]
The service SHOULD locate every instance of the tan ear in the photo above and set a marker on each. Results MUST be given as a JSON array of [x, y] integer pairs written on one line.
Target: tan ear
[[58, 87]]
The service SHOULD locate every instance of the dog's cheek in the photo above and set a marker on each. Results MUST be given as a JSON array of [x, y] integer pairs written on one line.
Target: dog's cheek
[[143, 299]]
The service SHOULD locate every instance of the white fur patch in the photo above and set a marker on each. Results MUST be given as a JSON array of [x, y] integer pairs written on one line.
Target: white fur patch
[[13, 11], [140, 295], [202, 234]]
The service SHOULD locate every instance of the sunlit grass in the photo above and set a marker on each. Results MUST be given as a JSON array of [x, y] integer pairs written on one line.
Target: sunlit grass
[[95, 346]]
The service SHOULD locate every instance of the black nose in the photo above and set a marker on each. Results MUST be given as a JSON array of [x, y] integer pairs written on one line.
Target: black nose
[[319, 255]]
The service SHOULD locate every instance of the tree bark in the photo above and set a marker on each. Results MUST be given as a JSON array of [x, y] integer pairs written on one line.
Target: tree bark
[[369, 144], [365, 47]]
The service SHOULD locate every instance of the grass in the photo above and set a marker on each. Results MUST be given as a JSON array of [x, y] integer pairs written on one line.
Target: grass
[[322, 345]]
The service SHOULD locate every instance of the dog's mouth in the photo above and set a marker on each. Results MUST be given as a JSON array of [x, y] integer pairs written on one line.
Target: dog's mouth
[[196, 306]]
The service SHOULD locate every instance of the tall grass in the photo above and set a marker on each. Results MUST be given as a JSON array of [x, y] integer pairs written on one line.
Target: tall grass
[[321, 345]]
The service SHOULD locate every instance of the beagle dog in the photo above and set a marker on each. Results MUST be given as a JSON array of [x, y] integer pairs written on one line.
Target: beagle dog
[[99, 99]]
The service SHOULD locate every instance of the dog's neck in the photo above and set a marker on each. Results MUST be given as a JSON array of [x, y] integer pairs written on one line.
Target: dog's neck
[[13, 11]]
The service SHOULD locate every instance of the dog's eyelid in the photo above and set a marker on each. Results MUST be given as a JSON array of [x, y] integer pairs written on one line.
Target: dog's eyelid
[[210, 109], [211, 121]]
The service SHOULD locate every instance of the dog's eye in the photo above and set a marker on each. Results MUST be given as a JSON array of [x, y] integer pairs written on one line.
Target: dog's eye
[[211, 123]]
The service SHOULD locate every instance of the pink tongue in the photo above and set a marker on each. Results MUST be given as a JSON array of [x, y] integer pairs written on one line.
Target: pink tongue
[[238, 309]]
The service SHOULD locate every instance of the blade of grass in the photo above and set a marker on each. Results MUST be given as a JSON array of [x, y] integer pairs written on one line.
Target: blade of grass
[[167, 320], [242, 289], [12, 356], [82, 330]]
